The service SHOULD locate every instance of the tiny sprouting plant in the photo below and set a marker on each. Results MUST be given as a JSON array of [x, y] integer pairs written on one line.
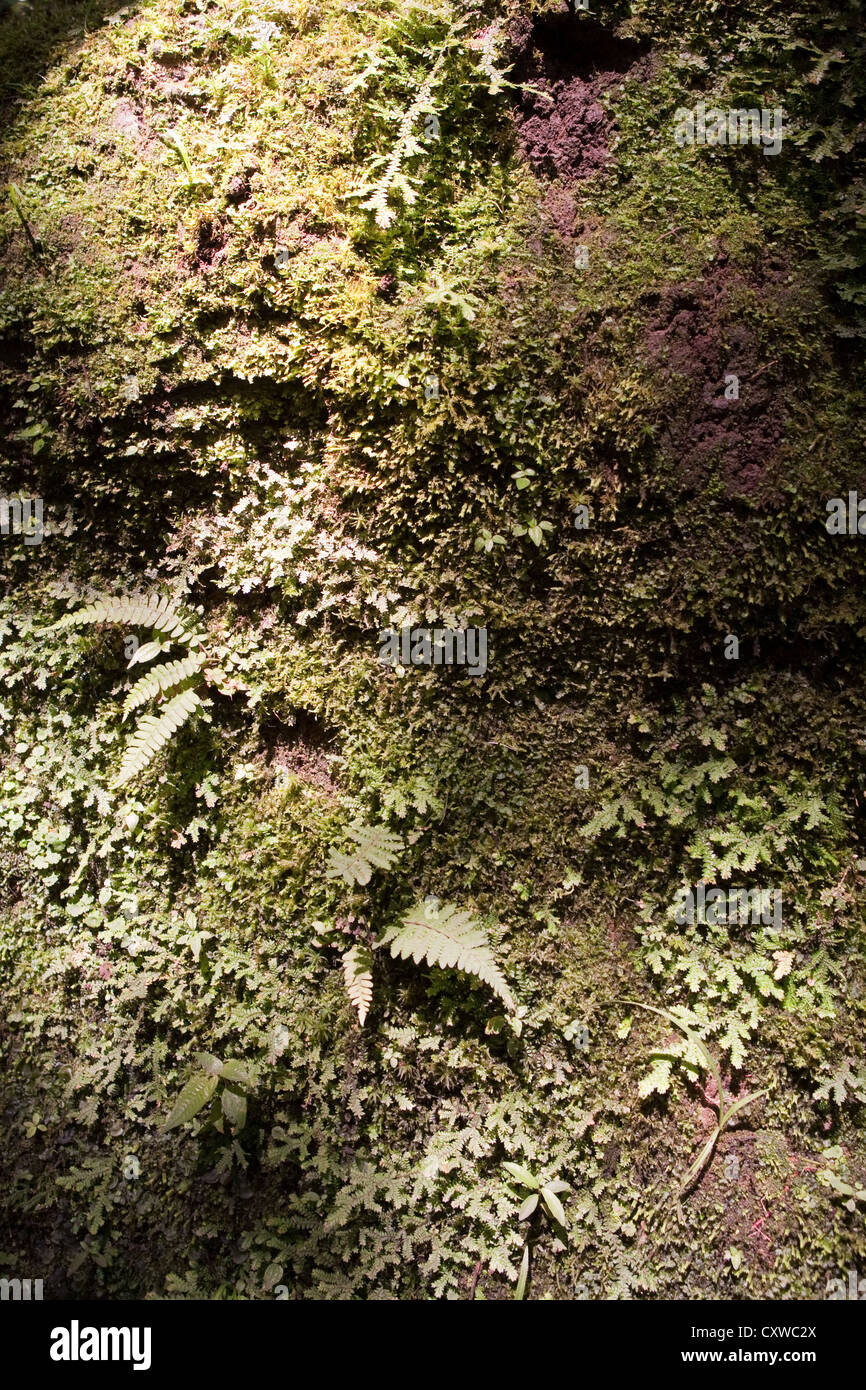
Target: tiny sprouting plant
[[211, 1076], [194, 179], [726, 1111], [537, 1198], [486, 540], [533, 528]]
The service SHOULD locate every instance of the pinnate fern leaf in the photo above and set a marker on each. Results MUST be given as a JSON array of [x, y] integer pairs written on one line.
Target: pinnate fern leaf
[[161, 680], [152, 733], [374, 847], [448, 937], [162, 614], [358, 975]]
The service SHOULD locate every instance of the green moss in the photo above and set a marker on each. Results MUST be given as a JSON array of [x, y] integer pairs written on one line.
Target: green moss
[[223, 376]]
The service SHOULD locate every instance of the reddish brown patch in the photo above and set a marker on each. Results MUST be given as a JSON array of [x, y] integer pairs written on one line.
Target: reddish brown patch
[[310, 764], [302, 748], [570, 62], [700, 335]]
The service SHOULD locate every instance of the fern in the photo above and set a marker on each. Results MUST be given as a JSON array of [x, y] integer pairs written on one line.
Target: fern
[[393, 180], [152, 733], [445, 936], [162, 680], [487, 56], [375, 847], [173, 679], [840, 1082], [358, 975], [163, 615]]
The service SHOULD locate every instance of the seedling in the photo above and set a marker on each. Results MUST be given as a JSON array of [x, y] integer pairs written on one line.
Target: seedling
[[536, 1196], [193, 180], [726, 1112], [17, 202]]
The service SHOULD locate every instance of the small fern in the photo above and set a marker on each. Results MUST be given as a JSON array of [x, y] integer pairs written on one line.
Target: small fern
[[393, 180], [171, 682], [375, 847], [448, 937], [358, 975], [152, 733], [162, 680]]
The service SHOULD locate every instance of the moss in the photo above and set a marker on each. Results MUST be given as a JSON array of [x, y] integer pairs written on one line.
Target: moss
[[222, 368]]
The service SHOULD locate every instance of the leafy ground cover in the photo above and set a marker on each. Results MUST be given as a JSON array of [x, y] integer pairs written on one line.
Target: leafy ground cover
[[300, 345]]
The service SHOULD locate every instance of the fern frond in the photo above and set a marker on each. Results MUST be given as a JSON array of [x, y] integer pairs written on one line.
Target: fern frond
[[162, 680], [152, 733], [447, 937], [162, 614], [375, 847], [393, 179], [358, 975]]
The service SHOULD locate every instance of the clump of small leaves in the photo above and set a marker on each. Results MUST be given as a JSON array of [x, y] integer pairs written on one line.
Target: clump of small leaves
[[202, 1088], [536, 1198]]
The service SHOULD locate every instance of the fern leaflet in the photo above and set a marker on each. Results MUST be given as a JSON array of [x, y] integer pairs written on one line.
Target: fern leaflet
[[152, 733], [163, 615], [162, 680], [358, 975], [447, 937]]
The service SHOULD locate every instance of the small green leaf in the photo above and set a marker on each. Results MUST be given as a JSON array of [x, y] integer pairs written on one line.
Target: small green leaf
[[523, 1275], [146, 652], [522, 1175], [553, 1204], [528, 1207], [234, 1109], [193, 1098]]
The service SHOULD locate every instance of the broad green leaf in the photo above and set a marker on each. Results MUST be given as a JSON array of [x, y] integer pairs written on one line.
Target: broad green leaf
[[209, 1064], [193, 1098], [234, 1109], [522, 1175], [235, 1071], [528, 1207], [553, 1204]]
